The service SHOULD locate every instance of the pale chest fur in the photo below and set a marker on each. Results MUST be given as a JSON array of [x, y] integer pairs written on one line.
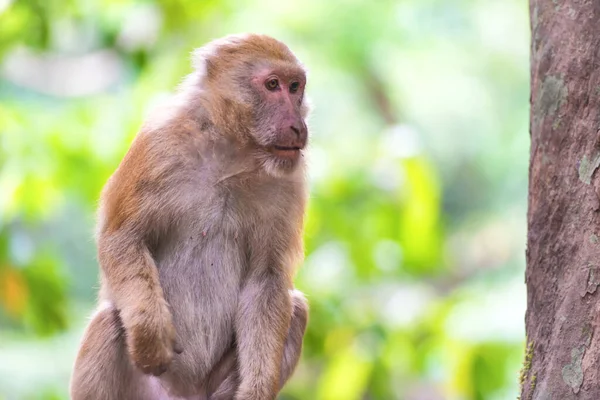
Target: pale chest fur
[[264, 214], [237, 214], [204, 257]]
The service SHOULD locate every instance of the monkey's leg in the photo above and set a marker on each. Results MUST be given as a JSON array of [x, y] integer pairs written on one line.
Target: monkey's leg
[[226, 374], [103, 370]]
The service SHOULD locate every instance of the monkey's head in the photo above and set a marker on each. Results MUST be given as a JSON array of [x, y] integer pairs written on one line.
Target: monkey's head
[[254, 91]]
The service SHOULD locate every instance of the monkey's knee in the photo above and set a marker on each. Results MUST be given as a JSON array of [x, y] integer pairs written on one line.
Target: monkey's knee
[[102, 369], [293, 343], [299, 312]]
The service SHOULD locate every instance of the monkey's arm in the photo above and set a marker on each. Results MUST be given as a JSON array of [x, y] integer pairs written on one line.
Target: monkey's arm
[[133, 286], [130, 206], [263, 322], [271, 317]]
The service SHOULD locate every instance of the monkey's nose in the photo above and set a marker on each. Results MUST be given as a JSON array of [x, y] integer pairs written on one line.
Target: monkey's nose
[[299, 129], [296, 130]]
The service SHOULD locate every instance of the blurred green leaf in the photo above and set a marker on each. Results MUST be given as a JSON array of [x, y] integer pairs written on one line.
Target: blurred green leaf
[[399, 230]]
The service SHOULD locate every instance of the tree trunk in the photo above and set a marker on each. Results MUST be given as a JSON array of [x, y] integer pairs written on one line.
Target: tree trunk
[[562, 360]]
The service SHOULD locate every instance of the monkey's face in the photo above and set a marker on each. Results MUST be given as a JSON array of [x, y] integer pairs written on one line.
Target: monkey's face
[[255, 87], [280, 129]]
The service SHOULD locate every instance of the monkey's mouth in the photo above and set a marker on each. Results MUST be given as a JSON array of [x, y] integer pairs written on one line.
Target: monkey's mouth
[[286, 151]]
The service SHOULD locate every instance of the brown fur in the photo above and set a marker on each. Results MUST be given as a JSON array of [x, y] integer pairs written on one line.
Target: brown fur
[[199, 235]]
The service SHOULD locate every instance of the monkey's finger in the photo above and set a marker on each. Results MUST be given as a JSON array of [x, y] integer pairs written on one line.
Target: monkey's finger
[[161, 369], [177, 348]]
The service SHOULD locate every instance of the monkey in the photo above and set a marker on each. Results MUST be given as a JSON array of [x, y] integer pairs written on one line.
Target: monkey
[[199, 236]]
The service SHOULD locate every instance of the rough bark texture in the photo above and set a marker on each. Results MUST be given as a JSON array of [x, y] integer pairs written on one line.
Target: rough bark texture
[[563, 253]]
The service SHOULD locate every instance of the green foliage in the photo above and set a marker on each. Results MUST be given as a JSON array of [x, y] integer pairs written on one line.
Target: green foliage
[[418, 171], [526, 368]]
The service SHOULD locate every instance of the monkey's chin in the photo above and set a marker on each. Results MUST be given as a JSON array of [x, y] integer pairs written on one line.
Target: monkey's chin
[[281, 163]]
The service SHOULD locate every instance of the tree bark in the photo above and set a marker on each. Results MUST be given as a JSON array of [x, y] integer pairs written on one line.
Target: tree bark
[[562, 360]]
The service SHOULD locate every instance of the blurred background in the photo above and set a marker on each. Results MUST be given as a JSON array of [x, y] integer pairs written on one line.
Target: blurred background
[[418, 168]]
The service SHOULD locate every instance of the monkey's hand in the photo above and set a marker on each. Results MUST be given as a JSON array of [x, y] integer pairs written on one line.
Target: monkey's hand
[[151, 337]]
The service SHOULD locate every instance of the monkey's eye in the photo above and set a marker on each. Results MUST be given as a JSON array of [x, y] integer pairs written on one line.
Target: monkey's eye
[[272, 84], [294, 87]]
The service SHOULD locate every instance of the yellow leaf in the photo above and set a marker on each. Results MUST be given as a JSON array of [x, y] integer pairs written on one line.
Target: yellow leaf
[[13, 291]]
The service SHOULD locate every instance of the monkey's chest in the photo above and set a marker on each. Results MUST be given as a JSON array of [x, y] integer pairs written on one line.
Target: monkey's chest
[[202, 266], [200, 271], [203, 259]]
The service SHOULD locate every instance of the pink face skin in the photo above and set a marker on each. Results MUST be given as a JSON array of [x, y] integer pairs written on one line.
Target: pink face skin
[[281, 92]]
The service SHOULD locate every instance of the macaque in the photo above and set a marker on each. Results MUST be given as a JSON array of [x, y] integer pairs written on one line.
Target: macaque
[[199, 235]]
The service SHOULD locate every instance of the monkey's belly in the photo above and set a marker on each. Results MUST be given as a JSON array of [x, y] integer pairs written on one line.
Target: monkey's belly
[[201, 281]]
